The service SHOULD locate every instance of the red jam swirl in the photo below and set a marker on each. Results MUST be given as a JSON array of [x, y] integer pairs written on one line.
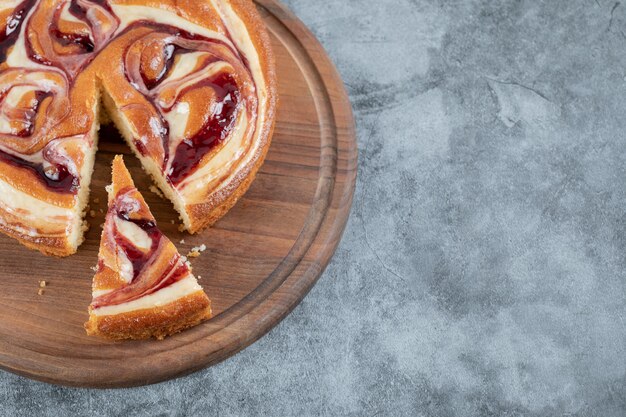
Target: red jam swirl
[[228, 100], [141, 284], [215, 130], [56, 176], [136, 256], [144, 286], [62, 182], [85, 42]]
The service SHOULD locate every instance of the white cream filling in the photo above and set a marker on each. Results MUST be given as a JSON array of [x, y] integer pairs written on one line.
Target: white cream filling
[[193, 79], [27, 206], [184, 64], [11, 101], [5, 125], [36, 81], [9, 4], [99, 293], [135, 234], [69, 17], [15, 95], [167, 295], [124, 266], [177, 120], [130, 14]]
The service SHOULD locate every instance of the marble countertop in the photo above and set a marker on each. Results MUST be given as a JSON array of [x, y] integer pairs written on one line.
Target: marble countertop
[[483, 270]]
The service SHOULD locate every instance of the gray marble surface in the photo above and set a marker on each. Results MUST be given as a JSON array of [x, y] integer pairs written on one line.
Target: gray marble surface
[[482, 272]]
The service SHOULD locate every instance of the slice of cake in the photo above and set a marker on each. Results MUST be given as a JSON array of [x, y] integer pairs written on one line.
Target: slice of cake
[[142, 287]]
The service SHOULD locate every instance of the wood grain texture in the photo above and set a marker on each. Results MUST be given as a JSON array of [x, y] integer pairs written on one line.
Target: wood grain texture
[[261, 258]]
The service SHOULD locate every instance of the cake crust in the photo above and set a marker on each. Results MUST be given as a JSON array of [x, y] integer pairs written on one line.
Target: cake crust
[[158, 322]]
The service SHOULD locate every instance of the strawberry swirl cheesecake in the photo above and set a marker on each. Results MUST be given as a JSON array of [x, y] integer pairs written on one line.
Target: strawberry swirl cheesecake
[[189, 84]]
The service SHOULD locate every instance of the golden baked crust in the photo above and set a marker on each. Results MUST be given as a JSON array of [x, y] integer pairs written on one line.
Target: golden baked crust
[[157, 322], [190, 84], [142, 286]]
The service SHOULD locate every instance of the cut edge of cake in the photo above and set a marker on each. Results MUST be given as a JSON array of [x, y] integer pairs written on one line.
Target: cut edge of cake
[[148, 164], [77, 235]]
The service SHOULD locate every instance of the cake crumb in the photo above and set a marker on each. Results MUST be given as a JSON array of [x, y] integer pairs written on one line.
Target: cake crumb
[[172, 221], [196, 250], [184, 259], [92, 213], [42, 284], [156, 191], [101, 211], [181, 227], [199, 277], [96, 200], [200, 248], [182, 241], [94, 268], [40, 292]]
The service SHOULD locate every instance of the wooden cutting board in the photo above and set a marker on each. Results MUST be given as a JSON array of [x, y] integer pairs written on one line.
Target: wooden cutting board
[[261, 258]]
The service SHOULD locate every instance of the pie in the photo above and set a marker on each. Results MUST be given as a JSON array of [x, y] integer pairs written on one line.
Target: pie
[[190, 85], [142, 287]]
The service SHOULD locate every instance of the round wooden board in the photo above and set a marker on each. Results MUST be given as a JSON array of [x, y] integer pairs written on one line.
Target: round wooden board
[[261, 258]]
